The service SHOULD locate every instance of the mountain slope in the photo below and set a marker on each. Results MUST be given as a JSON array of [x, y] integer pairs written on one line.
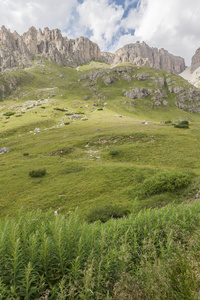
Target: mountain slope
[[95, 141]]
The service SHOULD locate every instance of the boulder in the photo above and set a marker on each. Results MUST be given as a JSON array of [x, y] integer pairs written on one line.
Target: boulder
[[4, 150], [142, 77], [138, 93], [109, 79]]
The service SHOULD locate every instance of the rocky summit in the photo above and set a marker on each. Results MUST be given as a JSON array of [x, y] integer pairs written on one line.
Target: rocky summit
[[142, 55], [192, 73], [19, 51]]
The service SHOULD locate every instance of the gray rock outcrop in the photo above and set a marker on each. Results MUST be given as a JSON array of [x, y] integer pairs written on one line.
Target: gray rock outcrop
[[18, 51], [141, 54], [195, 63], [192, 73], [4, 150], [138, 93]]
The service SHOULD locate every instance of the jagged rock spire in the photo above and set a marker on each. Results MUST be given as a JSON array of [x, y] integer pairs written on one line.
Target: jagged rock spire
[[18, 51]]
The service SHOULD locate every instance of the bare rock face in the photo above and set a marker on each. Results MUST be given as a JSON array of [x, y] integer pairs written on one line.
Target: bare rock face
[[138, 93], [18, 51], [51, 45], [195, 61], [192, 73], [13, 50], [141, 54]]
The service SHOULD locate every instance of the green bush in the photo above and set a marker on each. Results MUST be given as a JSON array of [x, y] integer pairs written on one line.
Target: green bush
[[104, 213], [9, 113], [37, 173], [162, 182], [182, 124], [168, 122], [59, 109], [26, 154]]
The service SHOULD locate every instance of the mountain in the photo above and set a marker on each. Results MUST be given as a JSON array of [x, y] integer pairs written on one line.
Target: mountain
[[19, 51], [142, 55], [192, 73], [97, 130]]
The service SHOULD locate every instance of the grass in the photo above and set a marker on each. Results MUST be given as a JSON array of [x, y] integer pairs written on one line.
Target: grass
[[131, 168], [62, 257], [104, 156]]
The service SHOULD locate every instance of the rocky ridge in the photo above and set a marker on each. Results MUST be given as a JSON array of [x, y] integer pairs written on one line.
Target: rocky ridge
[[19, 51], [192, 73], [186, 97], [140, 54]]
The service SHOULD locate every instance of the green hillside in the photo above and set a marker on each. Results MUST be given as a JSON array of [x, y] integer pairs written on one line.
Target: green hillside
[[100, 181], [96, 144]]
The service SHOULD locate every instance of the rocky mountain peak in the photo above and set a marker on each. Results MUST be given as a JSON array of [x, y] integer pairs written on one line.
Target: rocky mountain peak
[[195, 60], [141, 54], [18, 51]]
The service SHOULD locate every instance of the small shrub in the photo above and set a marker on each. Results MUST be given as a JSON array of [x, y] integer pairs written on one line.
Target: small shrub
[[168, 122], [185, 122], [26, 154], [9, 113], [162, 182], [182, 124], [60, 109], [37, 173], [104, 213], [67, 123]]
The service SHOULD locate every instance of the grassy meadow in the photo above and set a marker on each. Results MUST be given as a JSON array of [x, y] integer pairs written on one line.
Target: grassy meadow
[[105, 156], [95, 160]]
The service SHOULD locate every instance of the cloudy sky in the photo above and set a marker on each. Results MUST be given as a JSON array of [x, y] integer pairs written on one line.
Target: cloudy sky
[[170, 24]]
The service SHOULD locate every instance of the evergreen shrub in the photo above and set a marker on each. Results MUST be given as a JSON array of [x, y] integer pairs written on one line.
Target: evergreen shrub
[[37, 173], [182, 124], [162, 182]]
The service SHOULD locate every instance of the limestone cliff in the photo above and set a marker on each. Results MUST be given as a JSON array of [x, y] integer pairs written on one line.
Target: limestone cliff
[[192, 73], [18, 51], [142, 55]]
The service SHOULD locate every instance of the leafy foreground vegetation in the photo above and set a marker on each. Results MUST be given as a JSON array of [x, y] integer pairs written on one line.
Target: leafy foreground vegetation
[[150, 255]]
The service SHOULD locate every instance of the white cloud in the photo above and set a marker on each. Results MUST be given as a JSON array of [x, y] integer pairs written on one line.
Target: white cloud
[[169, 24], [20, 15], [101, 18]]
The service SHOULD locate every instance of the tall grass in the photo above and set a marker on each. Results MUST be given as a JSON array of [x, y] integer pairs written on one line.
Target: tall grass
[[152, 255]]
